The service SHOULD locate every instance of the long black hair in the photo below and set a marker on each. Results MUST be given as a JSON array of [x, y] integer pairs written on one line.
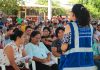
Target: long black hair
[[82, 14]]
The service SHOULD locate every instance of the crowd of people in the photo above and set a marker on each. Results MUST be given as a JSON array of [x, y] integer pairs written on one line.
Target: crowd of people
[[75, 43]]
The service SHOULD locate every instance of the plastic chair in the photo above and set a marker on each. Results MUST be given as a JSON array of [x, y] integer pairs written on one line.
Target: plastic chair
[[33, 65], [2, 67]]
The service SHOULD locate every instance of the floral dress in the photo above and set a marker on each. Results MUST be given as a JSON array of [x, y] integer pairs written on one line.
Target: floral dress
[[17, 54]]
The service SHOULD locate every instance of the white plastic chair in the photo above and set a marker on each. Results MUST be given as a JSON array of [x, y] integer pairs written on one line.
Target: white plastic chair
[[2, 67], [54, 58], [33, 65], [2, 59]]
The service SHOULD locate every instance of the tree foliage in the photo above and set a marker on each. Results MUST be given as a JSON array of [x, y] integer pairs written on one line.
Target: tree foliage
[[56, 9], [92, 5], [10, 7]]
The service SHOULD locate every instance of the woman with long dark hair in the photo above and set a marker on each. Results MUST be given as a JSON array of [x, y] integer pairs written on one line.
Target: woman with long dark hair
[[77, 42]]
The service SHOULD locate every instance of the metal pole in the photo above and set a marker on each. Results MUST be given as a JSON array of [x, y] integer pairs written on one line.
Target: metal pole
[[49, 9]]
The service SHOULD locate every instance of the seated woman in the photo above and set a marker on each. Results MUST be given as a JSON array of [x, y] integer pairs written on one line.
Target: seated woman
[[15, 52], [39, 53], [46, 38], [56, 45], [1, 38]]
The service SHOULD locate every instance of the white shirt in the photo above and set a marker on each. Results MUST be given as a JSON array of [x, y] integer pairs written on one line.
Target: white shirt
[[39, 51]]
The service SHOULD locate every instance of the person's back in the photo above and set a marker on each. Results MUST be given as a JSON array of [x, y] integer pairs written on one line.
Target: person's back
[[79, 53], [83, 44], [77, 42]]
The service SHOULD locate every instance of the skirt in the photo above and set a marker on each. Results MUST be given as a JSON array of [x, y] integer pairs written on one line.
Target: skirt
[[11, 68]]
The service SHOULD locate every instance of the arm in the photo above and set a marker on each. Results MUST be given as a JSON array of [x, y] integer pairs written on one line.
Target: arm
[[24, 53], [47, 52], [10, 54], [64, 47], [29, 50], [43, 60], [49, 57], [97, 57], [39, 60]]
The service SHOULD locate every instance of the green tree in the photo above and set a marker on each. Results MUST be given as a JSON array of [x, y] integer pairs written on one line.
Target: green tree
[[10, 7], [92, 5], [57, 10]]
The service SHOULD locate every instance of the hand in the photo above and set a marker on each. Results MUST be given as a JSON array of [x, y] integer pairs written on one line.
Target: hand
[[45, 60], [48, 59], [27, 60], [64, 47]]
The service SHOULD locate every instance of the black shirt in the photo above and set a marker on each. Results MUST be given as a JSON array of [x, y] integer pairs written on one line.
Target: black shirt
[[57, 43]]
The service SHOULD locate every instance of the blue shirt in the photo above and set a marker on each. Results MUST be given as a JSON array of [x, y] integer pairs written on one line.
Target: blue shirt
[[39, 51], [1, 23]]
